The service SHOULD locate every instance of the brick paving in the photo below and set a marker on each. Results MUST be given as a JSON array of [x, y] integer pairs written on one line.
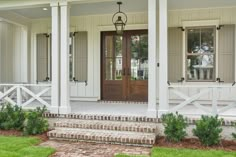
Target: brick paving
[[134, 138], [83, 149], [107, 125]]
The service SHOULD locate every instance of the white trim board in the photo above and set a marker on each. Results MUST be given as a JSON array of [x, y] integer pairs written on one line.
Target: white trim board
[[127, 27], [200, 23]]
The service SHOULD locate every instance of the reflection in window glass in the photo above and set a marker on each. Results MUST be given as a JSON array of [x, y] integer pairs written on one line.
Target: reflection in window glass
[[200, 54], [139, 57], [113, 66]]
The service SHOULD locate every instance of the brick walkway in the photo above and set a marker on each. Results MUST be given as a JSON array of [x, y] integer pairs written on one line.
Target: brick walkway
[[83, 149]]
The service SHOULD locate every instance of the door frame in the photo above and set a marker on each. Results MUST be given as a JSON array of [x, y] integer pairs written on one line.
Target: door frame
[[98, 60], [125, 62]]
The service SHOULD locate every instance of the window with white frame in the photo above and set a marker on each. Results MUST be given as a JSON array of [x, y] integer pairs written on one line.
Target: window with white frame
[[78, 57], [201, 54]]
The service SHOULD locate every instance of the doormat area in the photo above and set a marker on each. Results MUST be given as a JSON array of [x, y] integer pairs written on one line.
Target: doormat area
[[121, 102]]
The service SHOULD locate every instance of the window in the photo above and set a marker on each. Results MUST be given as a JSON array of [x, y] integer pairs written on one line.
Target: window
[[200, 55], [78, 57]]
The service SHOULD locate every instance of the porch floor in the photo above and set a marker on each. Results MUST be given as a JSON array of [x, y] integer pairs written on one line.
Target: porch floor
[[109, 108], [137, 109]]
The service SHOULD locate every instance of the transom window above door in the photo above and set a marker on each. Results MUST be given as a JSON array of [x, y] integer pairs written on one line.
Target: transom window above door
[[200, 54]]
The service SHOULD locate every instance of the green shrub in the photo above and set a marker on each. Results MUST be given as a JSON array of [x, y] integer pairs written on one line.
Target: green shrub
[[175, 125], [208, 130], [32, 122], [35, 122], [11, 117]]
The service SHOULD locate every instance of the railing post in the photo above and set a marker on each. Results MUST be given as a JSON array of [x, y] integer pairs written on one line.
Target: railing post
[[19, 96], [214, 101]]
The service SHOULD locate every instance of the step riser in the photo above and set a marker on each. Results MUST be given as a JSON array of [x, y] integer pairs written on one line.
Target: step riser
[[102, 117], [106, 127], [102, 139], [128, 130], [98, 142]]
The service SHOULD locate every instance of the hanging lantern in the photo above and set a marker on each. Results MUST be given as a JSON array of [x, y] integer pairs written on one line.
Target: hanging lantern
[[119, 23]]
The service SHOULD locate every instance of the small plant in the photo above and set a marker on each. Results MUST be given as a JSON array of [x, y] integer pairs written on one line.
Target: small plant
[[208, 130], [11, 117], [35, 122], [175, 125]]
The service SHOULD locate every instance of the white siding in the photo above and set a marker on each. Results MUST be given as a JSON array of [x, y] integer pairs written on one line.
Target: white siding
[[13, 54]]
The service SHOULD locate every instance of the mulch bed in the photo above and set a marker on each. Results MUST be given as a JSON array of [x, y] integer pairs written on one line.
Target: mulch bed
[[43, 137], [193, 143]]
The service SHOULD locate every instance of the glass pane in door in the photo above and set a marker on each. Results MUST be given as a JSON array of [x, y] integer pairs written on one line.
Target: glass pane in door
[[139, 57], [113, 57]]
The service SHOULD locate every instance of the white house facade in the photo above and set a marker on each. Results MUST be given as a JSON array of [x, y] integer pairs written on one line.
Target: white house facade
[[173, 55]]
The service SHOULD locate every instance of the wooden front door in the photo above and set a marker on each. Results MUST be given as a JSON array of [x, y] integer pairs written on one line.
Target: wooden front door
[[125, 66]]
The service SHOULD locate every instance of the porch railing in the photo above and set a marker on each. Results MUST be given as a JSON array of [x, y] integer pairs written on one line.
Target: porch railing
[[25, 94], [198, 95]]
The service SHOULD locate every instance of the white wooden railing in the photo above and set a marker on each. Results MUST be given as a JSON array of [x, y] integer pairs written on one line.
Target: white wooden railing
[[213, 94], [24, 94]]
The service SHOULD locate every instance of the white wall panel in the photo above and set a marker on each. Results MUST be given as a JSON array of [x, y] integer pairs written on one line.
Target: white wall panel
[[13, 54]]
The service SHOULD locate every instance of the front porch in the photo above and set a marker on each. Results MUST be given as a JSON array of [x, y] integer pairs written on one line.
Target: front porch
[[221, 103], [59, 54]]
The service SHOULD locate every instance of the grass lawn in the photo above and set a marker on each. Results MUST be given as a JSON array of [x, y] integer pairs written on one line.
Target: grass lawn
[[168, 152], [22, 147]]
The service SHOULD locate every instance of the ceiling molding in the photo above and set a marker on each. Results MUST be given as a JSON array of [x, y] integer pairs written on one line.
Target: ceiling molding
[[88, 1], [16, 4], [14, 18]]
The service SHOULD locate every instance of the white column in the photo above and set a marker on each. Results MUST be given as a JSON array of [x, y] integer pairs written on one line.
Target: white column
[[65, 95], [163, 70], [55, 91], [152, 58]]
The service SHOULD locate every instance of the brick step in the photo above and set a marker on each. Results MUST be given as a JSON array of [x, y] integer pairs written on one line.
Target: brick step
[[107, 125], [103, 136], [123, 118]]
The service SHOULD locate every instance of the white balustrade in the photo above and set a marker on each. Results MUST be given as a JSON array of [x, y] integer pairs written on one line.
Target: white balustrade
[[24, 94], [216, 95]]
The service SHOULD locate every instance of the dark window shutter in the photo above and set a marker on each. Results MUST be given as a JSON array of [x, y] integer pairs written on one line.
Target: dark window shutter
[[175, 54], [81, 56], [42, 58], [226, 52]]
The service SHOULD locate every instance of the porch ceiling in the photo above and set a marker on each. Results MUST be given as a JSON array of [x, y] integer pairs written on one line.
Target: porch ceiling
[[109, 7]]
